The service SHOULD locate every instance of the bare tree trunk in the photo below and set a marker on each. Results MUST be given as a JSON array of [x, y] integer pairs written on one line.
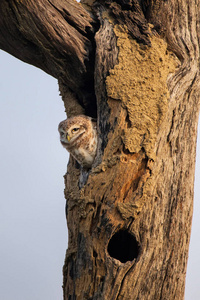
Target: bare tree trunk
[[130, 216]]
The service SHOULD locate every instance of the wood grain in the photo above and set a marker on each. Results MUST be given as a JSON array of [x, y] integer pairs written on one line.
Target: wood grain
[[56, 36]]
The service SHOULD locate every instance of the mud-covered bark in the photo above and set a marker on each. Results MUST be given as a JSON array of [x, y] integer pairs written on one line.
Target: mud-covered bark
[[135, 66]]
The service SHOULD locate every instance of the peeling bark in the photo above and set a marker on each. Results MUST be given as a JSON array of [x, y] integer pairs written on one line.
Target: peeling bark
[[134, 65]]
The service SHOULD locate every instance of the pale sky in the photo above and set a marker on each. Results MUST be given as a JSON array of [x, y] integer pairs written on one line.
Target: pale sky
[[33, 232]]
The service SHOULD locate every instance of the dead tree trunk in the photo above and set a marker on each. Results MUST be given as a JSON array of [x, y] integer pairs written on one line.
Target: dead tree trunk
[[134, 65]]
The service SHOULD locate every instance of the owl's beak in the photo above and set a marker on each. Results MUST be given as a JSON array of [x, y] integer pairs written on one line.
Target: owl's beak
[[68, 138]]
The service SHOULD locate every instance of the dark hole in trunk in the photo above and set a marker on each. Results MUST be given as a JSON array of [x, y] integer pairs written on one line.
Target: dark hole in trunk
[[123, 246]]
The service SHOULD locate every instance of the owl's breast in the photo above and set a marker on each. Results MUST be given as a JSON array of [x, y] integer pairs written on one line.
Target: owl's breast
[[83, 157]]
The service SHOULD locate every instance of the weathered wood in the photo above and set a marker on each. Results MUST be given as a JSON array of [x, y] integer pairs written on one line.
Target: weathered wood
[[130, 14], [140, 195], [56, 36]]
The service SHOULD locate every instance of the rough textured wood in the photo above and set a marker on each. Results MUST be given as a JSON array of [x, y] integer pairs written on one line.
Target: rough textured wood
[[143, 187], [129, 217], [181, 34], [56, 36], [130, 14]]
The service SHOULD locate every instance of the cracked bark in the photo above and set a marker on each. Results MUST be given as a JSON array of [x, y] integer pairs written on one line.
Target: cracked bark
[[142, 83]]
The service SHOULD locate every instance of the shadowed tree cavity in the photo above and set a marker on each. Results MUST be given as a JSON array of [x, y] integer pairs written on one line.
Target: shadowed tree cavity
[[123, 246]]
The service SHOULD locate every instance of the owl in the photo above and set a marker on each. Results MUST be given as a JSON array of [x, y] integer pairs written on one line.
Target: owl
[[79, 136]]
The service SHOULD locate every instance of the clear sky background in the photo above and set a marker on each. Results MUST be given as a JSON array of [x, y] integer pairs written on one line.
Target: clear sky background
[[33, 232]]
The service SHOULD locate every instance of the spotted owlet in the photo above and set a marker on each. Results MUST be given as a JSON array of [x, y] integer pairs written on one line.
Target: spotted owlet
[[79, 136]]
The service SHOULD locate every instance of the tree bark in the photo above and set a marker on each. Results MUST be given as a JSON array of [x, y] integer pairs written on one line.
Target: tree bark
[[134, 65], [56, 36]]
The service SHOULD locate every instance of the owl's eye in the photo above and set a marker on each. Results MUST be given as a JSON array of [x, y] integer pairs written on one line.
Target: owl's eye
[[62, 133], [75, 130]]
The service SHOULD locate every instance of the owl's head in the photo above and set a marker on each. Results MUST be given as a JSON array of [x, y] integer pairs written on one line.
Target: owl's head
[[78, 135], [72, 129]]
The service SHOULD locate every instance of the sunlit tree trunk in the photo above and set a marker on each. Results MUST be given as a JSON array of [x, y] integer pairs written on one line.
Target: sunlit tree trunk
[[135, 66]]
